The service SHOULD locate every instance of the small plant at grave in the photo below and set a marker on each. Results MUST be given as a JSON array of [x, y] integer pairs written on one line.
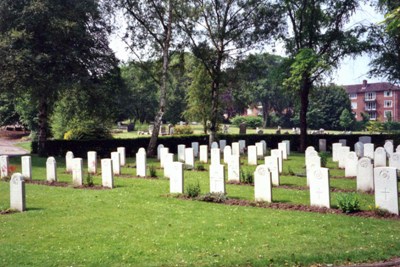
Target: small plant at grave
[[246, 177], [153, 171], [213, 197], [324, 158], [89, 180], [193, 190], [290, 171], [200, 167], [11, 170], [348, 203], [378, 211]]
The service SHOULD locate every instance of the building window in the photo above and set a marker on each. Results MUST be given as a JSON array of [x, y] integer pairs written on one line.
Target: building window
[[370, 106], [387, 103], [372, 115], [353, 105], [388, 114], [370, 96], [353, 96], [387, 93]]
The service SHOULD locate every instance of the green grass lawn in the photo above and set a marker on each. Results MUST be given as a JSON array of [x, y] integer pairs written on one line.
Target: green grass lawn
[[136, 224]]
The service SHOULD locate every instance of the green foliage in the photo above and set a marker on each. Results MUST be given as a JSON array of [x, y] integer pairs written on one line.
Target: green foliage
[[348, 203], [89, 131], [200, 167], [324, 158], [193, 190], [251, 121], [183, 129], [346, 119], [246, 177], [153, 171], [374, 127], [89, 180], [213, 197]]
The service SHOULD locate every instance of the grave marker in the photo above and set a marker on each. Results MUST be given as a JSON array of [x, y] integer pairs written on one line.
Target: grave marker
[[319, 188], [344, 150], [262, 184], [217, 179], [369, 150], [4, 166], [386, 191], [365, 175], [227, 154], [17, 192], [122, 155], [234, 168], [252, 155], [176, 180], [26, 166], [51, 169], [278, 154], [242, 146], [203, 153], [272, 164], [116, 163], [322, 145], [359, 149], [159, 151], [168, 167], [380, 157], [68, 161], [181, 153], [222, 144], [141, 163], [388, 148], [92, 162], [107, 173], [287, 142], [336, 151], [365, 139], [77, 172], [189, 158], [163, 152], [282, 146], [195, 146], [236, 148], [351, 165]]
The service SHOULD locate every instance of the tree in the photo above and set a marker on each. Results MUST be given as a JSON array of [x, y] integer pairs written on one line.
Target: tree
[[318, 41], [219, 30], [45, 46], [151, 30], [346, 119]]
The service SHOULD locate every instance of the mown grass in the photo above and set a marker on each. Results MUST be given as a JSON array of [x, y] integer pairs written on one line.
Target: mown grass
[[136, 224]]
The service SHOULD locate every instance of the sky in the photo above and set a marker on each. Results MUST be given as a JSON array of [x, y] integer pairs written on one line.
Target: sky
[[350, 71]]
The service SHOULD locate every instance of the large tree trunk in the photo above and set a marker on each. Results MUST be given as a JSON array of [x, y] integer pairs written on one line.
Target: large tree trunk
[[304, 92], [215, 98], [43, 126], [152, 148]]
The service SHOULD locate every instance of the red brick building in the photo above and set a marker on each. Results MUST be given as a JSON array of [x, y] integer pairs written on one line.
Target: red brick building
[[380, 100]]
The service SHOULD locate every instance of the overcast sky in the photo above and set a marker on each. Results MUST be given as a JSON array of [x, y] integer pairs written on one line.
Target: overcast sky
[[350, 71]]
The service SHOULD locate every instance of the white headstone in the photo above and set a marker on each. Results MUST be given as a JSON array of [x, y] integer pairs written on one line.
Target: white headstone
[[260, 150], [159, 151], [116, 163], [77, 172], [227, 154], [272, 164], [262, 184], [222, 144], [365, 175], [278, 154], [203, 153], [107, 173], [343, 142], [398, 148], [163, 152], [313, 163], [344, 150], [282, 146], [322, 145], [388, 148], [215, 156], [386, 190], [365, 139], [122, 155], [359, 149], [287, 142], [181, 153], [141, 163], [307, 153], [234, 168], [394, 160], [4, 166], [189, 158], [369, 150], [214, 145], [168, 166], [68, 161], [176, 180], [235, 148], [336, 151], [195, 146], [380, 157], [351, 165], [92, 162], [265, 146], [242, 146], [17, 192], [252, 155], [26, 166], [309, 156], [217, 179], [51, 169], [319, 188]]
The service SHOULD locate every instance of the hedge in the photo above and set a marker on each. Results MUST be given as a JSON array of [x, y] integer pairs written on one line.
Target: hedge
[[105, 147]]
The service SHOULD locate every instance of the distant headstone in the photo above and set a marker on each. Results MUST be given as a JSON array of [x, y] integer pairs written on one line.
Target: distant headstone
[[77, 172], [68, 161], [189, 158], [141, 163], [359, 149], [388, 148], [163, 130], [170, 129], [365, 139], [107, 173], [26, 166], [4, 166], [116, 163], [278, 154], [272, 164], [217, 179], [265, 146], [214, 145], [252, 155], [282, 146], [151, 129], [242, 128], [262, 184], [203, 153], [369, 150], [181, 153], [234, 168], [168, 166], [322, 145], [176, 180], [319, 188], [122, 155], [380, 157], [163, 152], [313, 163], [242, 146], [159, 151], [344, 150], [336, 151], [343, 142], [235, 148], [260, 150], [92, 162], [51, 169], [215, 156], [227, 154], [195, 146], [394, 160], [386, 190], [365, 175], [351, 165], [17, 192], [222, 144], [287, 142]]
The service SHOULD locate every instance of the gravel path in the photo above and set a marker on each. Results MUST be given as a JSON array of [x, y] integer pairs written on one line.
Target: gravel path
[[7, 147]]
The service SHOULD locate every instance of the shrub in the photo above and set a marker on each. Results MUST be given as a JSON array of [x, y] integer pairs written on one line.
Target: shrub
[[153, 171], [89, 180], [200, 167], [348, 203], [193, 190], [324, 158], [183, 129], [246, 178], [88, 133], [251, 121], [213, 197]]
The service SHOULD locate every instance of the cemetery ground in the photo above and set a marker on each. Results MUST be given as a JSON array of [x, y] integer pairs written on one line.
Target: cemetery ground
[[137, 223]]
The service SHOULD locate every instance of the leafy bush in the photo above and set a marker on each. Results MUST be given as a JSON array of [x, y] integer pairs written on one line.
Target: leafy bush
[[88, 133], [193, 190], [213, 197], [324, 158], [251, 121], [89, 180], [153, 171], [348, 203], [246, 178], [183, 129]]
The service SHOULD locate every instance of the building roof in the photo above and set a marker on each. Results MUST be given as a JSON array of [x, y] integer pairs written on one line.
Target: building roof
[[370, 87]]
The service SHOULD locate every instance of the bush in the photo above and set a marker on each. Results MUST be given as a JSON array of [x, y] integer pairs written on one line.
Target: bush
[[200, 167], [89, 180], [153, 171], [193, 190], [246, 178], [213, 197], [348, 203], [324, 158], [184, 129], [251, 121], [88, 133]]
